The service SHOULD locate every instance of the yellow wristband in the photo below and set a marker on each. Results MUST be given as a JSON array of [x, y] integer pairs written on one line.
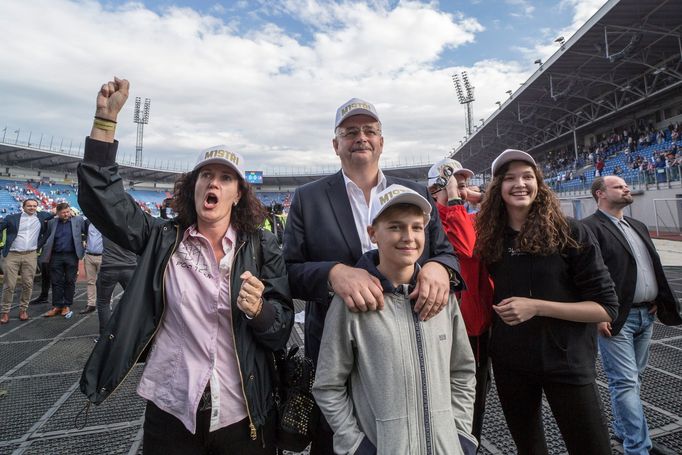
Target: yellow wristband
[[105, 125]]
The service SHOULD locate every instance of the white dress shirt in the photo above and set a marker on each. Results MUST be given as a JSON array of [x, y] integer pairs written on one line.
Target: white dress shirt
[[360, 207]]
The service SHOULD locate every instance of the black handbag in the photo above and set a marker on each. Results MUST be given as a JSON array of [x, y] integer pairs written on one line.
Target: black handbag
[[298, 415]]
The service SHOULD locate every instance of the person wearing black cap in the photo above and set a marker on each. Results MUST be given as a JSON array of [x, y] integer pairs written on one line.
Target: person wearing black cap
[[551, 288]]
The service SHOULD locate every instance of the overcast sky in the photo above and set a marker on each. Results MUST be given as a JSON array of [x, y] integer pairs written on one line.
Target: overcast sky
[[265, 77]]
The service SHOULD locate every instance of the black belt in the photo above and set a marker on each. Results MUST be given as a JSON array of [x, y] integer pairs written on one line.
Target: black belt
[[23, 252], [643, 304], [94, 254]]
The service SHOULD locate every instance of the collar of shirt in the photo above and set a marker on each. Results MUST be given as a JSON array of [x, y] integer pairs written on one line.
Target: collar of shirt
[[360, 207], [381, 182], [229, 240], [614, 219]]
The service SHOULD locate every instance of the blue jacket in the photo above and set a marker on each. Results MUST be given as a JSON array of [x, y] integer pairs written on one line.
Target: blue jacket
[[11, 223], [78, 230]]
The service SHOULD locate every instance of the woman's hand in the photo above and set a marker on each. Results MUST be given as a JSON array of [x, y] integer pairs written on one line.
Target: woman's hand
[[250, 299], [111, 98], [515, 310]]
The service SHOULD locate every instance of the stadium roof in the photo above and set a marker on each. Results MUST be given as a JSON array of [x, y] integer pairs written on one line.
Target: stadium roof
[[627, 56]]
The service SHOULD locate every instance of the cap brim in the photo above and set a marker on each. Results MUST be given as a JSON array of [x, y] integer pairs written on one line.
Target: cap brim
[[222, 161], [359, 111], [511, 155], [407, 198]]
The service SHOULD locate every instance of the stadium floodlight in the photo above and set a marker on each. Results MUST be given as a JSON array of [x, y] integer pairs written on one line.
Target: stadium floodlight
[[509, 92], [482, 121], [538, 62], [141, 118], [465, 95], [561, 40], [499, 104]]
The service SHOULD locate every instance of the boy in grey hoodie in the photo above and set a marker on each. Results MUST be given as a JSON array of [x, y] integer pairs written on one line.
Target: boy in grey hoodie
[[387, 382]]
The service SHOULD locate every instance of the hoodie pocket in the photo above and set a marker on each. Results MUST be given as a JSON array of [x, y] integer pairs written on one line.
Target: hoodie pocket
[[444, 434], [393, 437]]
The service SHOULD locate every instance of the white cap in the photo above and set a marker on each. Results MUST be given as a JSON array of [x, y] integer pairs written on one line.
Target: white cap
[[511, 155], [220, 155], [437, 169], [355, 106], [397, 194]]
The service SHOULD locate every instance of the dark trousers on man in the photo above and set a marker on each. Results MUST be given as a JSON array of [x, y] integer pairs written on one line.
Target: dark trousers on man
[[577, 409], [45, 283], [63, 272], [107, 279]]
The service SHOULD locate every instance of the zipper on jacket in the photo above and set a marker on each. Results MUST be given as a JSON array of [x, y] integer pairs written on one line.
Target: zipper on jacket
[[163, 295], [422, 371], [252, 427]]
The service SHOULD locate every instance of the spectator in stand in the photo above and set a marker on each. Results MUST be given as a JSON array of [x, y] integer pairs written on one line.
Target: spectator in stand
[[25, 234], [599, 167], [618, 170], [63, 249], [551, 287], [447, 182]]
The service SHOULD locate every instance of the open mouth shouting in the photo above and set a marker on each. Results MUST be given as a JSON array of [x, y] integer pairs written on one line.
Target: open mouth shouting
[[210, 201]]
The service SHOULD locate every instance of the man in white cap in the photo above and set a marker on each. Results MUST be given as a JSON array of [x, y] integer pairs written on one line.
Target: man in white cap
[[326, 235], [447, 181]]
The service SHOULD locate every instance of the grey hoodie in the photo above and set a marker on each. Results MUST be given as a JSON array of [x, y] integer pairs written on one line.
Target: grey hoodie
[[385, 377]]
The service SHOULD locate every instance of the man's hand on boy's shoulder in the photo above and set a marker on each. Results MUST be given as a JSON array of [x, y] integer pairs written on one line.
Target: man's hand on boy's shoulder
[[357, 287], [432, 290]]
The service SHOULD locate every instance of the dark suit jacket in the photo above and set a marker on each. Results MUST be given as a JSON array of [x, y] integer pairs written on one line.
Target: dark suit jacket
[[320, 233], [78, 232], [11, 223], [620, 260]]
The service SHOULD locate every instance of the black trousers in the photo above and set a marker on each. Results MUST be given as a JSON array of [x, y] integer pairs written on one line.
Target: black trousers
[[164, 434], [106, 282], [479, 345], [45, 281], [577, 409], [63, 272]]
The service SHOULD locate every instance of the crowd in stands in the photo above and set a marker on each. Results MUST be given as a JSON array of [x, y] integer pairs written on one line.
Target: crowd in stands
[[636, 152], [49, 194]]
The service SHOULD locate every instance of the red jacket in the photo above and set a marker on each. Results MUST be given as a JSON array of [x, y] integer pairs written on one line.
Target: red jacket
[[477, 300]]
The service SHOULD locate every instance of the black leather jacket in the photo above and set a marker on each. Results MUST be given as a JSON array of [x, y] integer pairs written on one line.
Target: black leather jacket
[[136, 319]]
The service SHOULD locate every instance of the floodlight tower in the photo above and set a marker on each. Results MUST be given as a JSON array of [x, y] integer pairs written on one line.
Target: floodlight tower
[[465, 94], [141, 122]]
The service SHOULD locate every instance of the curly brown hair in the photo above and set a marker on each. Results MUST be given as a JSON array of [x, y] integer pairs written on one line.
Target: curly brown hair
[[545, 231], [246, 217]]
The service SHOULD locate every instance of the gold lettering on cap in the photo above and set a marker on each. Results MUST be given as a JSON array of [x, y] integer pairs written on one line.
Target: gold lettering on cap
[[383, 199], [226, 154], [352, 106]]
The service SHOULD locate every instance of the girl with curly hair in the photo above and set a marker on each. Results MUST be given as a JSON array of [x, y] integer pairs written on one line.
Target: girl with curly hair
[[551, 288]]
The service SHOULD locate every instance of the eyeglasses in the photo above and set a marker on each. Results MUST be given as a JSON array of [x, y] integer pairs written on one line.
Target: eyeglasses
[[353, 132]]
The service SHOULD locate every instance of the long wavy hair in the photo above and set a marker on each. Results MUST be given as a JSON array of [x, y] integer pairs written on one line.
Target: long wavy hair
[[246, 217], [546, 230]]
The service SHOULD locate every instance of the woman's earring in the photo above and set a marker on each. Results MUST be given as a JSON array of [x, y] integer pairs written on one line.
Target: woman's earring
[[235, 203]]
